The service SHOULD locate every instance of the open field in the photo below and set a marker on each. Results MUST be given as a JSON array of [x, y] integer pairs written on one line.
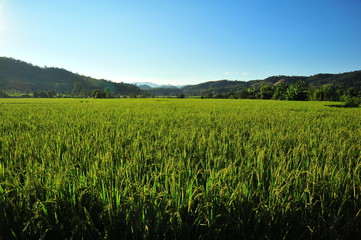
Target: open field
[[179, 169]]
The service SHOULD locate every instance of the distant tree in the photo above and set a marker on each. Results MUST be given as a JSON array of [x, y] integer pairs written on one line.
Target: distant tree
[[51, 94], [87, 93], [220, 96], [77, 89], [181, 95], [43, 95], [230, 95], [243, 94], [144, 95], [108, 92], [266, 92], [132, 95], [40, 95], [353, 92], [280, 91], [3, 94], [317, 95], [327, 92], [297, 92], [208, 95], [97, 93], [252, 93], [352, 102]]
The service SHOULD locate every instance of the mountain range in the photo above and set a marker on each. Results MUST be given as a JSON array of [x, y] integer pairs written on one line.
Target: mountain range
[[341, 81], [25, 77], [150, 85]]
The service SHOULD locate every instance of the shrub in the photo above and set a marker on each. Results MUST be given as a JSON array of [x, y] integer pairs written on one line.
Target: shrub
[[352, 102]]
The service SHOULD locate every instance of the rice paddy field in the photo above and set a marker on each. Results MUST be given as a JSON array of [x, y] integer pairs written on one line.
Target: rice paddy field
[[179, 169]]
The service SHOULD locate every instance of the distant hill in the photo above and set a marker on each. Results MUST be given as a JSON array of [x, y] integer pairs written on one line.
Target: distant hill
[[25, 77], [342, 81], [217, 87], [165, 92], [153, 85], [144, 87]]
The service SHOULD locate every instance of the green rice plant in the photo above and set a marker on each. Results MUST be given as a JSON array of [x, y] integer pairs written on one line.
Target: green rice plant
[[178, 168]]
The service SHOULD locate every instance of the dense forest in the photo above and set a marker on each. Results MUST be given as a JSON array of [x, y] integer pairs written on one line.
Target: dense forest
[[317, 87], [34, 81]]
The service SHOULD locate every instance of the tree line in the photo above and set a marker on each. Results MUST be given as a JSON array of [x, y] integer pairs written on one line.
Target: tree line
[[78, 91], [300, 91]]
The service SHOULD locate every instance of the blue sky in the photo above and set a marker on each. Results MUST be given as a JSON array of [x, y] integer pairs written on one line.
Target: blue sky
[[184, 41]]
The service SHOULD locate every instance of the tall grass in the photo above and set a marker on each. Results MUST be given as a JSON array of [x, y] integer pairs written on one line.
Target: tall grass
[[178, 169]]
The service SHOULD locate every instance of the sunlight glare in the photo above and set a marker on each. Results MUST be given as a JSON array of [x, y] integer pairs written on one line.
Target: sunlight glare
[[2, 7]]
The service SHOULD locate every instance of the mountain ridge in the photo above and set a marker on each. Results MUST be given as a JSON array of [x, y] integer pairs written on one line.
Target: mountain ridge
[[25, 77], [342, 80], [156, 85]]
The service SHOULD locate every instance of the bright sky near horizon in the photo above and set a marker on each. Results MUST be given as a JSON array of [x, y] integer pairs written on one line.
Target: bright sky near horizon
[[184, 41]]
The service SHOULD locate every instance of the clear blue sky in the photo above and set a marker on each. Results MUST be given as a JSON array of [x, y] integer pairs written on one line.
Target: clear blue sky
[[184, 41]]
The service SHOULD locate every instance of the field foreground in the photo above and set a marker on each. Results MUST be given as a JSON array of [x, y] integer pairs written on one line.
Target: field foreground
[[179, 169]]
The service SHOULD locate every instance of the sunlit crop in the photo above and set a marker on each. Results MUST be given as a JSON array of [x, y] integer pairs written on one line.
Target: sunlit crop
[[179, 169]]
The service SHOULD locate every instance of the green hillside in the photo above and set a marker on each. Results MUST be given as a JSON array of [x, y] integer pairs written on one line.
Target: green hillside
[[342, 81], [165, 91], [25, 77]]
